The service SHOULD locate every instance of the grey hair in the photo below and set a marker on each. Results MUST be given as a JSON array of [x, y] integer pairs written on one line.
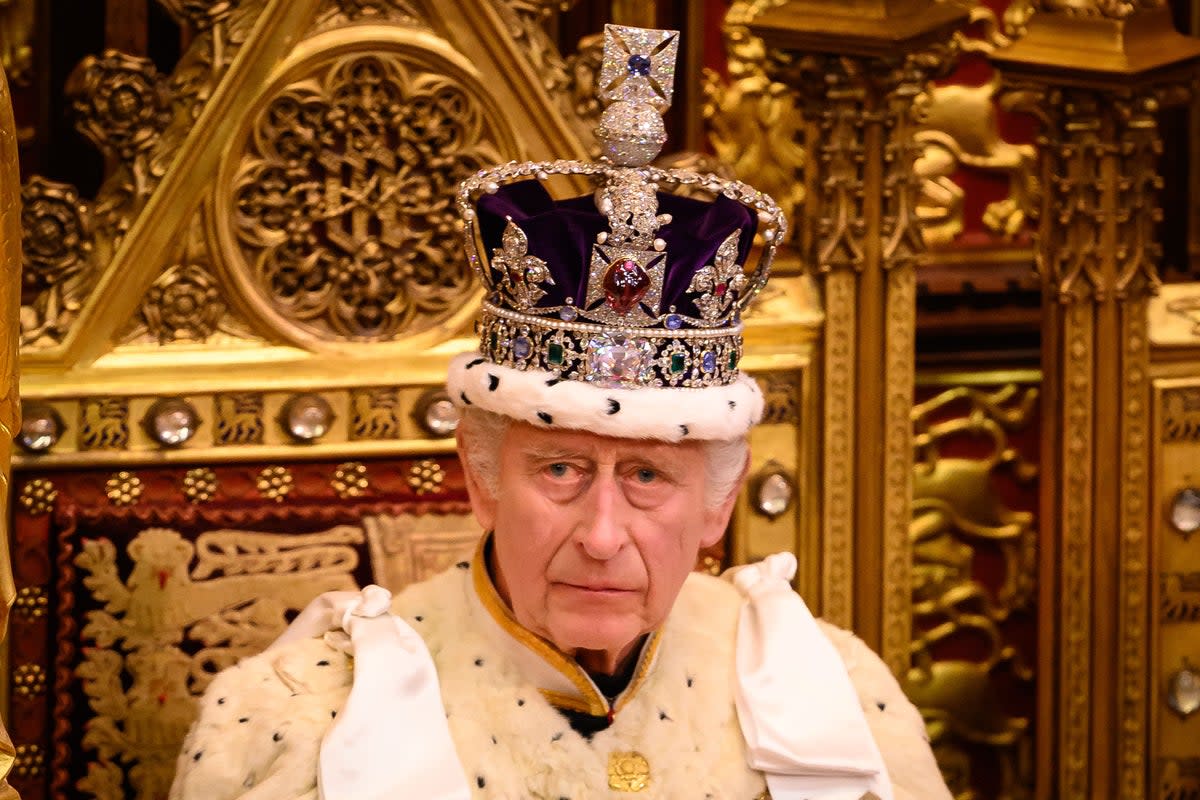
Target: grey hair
[[484, 431]]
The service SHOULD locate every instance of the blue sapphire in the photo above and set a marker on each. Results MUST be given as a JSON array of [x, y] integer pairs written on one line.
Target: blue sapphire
[[522, 347], [567, 314], [709, 363], [674, 322], [639, 66]]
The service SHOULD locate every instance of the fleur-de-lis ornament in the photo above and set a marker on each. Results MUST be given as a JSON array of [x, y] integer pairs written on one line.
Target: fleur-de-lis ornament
[[522, 272], [720, 283]]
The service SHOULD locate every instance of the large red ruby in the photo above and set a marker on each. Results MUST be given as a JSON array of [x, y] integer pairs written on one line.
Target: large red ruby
[[625, 284]]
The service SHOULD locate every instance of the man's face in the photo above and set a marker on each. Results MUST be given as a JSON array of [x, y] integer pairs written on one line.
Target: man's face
[[594, 536]]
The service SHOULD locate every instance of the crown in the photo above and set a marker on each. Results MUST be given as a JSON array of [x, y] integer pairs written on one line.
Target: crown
[[639, 285]]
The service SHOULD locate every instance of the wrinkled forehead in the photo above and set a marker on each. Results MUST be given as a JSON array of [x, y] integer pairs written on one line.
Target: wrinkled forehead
[[527, 440]]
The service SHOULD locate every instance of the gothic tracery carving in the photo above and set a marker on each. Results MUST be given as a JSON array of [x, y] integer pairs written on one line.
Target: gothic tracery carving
[[343, 202]]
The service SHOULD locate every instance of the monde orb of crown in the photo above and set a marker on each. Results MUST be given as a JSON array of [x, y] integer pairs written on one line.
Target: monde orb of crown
[[631, 134]]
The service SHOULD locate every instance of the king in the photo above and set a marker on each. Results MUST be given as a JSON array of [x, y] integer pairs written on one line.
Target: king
[[604, 441]]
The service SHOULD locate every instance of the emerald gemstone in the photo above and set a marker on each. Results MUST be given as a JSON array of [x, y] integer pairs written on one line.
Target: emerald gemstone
[[495, 340], [555, 354], [677, 363], [733, 359]]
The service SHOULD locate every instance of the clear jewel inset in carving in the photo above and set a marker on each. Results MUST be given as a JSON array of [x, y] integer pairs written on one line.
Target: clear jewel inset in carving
[[1184, 513], [171, 421], [1183, 691], [437, 414], [41, 427], [307, 417]]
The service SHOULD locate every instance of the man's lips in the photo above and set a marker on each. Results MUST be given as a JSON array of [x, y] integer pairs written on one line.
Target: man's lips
[[596, 588]]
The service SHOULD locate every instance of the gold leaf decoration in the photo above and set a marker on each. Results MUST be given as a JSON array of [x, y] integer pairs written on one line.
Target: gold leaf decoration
[[123, 489], [30, 761], [274, 483], [350, 479], [31, 602], [200, 484], [38, 496], [29, 680], [425, 477]]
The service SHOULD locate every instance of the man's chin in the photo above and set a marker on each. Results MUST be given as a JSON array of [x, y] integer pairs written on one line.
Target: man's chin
[[574, 632]]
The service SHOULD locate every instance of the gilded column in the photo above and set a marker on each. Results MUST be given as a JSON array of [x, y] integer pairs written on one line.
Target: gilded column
[[10, 407], [858, 67], [1096, 73]]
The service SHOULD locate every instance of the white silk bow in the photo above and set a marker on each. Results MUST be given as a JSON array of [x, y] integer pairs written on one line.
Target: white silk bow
[[391, 739], [799, 712]]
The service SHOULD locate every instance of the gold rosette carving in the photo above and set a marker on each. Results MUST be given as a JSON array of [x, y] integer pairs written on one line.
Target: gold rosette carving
[[341, 224]]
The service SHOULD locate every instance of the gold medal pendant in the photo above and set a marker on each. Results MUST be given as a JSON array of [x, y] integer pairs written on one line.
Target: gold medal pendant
[[628, 772]]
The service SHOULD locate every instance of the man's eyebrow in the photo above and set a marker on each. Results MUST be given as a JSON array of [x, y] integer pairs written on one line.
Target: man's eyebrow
[[551, 453], [658, 459]]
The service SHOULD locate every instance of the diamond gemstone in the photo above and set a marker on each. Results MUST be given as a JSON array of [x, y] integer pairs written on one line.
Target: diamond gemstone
[[625, 284], [619, 360]]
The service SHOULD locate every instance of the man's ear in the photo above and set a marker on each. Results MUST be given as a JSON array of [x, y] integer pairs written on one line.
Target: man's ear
[[719, 516], [483, 504]]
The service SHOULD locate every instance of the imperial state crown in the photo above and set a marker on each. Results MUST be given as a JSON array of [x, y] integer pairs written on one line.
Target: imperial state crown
[[619, 311]]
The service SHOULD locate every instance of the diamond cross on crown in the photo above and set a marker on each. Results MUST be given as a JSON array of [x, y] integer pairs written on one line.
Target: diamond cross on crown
[[639, 66]]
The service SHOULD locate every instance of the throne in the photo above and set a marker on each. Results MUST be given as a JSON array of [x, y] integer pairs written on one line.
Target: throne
[[233, 362]]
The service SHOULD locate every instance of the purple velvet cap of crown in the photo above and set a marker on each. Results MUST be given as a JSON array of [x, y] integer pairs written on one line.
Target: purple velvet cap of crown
[[562, 232]]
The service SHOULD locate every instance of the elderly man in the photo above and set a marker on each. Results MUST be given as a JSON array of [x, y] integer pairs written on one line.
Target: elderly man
[[604, 443]]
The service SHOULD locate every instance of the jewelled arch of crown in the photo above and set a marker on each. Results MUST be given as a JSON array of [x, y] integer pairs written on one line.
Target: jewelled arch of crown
[[619, 334]]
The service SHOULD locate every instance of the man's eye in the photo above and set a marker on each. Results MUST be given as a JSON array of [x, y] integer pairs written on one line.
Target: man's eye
[[558, 469], [645, 475]]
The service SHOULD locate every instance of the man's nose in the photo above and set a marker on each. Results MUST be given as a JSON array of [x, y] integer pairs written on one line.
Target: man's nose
[[601, 533]]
